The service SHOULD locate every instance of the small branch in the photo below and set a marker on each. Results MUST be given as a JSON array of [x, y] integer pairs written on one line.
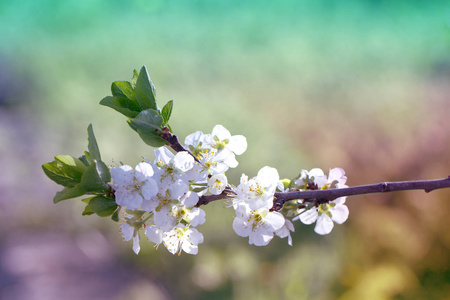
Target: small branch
[[174, 143], [384, 187], [206, 199], [331, 194]]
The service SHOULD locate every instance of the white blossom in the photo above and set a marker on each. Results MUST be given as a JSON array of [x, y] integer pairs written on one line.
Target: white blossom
[[182, 238], [133, 187], [259, 191], [217, 183], [259, 224]]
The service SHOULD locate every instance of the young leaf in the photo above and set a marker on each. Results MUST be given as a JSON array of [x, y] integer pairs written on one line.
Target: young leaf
[[148, 125], [62, 174], [123, 89], [115, 216], [134, 79], [167, 111], [148, 119], [94, 152], [125, 106], [87, 211], [103, 206], [151, 138], [72, 162], [68, 193], [95, 177], [84, 160], [145, 91]]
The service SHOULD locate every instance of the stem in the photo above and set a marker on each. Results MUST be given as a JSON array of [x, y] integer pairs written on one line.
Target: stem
[[331, 194], [174, 143]]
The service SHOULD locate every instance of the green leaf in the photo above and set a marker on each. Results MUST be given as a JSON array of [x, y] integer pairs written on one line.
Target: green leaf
[[134, 79], [123, 89], [151, 138], [125, 106], [145, 91], [115, 216], [72, 162], [95, 178], [87, 211], [62, 174], [68, 193], [84, 160], [148, 125], [167, 111], [103, 206], [148, 119], [94, 152]]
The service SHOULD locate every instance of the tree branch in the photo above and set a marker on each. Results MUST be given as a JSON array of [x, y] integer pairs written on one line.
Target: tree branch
[[174, 143], [331, 194]]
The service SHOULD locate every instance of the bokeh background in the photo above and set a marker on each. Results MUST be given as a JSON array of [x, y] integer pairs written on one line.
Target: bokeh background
[[362, 85]]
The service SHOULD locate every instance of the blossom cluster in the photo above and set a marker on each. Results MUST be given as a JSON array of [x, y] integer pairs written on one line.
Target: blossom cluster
[[160, 197]]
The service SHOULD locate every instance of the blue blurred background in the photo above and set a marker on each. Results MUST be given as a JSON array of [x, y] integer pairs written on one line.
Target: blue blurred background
[[362, 85]]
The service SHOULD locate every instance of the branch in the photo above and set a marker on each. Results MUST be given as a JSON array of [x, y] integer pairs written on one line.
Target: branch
[[331, 194], [174, 143]]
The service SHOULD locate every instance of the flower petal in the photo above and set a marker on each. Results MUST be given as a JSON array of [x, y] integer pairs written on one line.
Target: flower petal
[[339, 213], [324, 225], [309, 216], [237, 144]]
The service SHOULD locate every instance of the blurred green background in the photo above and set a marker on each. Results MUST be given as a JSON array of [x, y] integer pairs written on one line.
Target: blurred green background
[[362, 85]]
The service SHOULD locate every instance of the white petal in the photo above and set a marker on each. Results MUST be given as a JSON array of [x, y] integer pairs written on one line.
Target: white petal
[[231, 160], [197, 216], [127, 231], [339, 213], [193, 139], [339, 201], [145, 168], [195, 237], [337, 174], [183, 161], [190, 199], [162, 155], [268, 176], [237, 144], [241, 227], [309, 216], [136, 246], [164, 219], [221, 132], [178, 188], [258, 239], [154, 234], [274, 221], [149, 189], [324, 225], [316, 172]]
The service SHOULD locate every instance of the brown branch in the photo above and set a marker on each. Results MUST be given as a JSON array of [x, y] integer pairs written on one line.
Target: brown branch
[[174, 143], [331, 194]]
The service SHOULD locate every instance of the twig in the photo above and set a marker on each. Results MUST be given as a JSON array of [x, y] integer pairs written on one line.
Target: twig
[[330, 194]]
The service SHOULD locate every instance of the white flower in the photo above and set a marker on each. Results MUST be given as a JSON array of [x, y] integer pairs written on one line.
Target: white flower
[[172, 212], [316, 179], [154, 234], [259, 225], [182, 238], [221, 138], [285, 231], [324, 215], [128, 233], [133, 187], [259, 191], [217, 183]]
